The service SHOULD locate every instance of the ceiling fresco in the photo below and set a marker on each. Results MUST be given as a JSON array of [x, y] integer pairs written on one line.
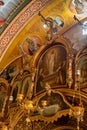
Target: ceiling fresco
[[25, 24], [79, 7], [8, 10]]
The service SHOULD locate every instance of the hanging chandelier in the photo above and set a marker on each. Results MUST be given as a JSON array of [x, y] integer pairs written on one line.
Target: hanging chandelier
[[52, 25]]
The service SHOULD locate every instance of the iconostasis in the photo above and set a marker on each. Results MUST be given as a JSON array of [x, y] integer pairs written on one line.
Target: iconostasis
[[43, 64]]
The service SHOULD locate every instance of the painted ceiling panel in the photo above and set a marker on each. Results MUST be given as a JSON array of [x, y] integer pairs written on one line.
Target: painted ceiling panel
[[9, 11], [28, 23], [7, 7]]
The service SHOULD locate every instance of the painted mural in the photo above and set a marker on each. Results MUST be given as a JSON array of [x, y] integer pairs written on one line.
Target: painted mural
[[52, 67], [49, 105], [11, 71], [3, 94], [82, 66], [79, 7], [31, 44]]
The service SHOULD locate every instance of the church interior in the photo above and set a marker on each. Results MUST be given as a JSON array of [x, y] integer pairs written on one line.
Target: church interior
[[43, 64]]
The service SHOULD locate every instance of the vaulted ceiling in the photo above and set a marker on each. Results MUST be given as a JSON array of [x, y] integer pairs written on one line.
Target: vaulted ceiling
[[21, 20]]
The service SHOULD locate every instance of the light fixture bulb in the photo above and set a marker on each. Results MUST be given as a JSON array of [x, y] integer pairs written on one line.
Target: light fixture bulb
[[45, 25], [11, 98], [28, 120]]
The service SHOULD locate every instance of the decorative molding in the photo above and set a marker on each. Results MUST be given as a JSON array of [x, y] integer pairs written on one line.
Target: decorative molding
[[19, 22]]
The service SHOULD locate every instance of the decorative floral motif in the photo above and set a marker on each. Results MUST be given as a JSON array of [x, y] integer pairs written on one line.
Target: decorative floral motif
[[24, 17], [35, 6], [4, 41], [17, 24], [14, 28]]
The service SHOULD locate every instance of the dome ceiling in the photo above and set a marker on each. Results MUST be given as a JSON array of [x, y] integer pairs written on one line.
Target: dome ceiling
[[25, 23]]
